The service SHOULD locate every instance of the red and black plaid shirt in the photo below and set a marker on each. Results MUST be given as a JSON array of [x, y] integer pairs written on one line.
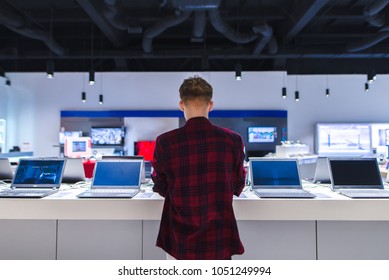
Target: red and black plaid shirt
[[198, 168]]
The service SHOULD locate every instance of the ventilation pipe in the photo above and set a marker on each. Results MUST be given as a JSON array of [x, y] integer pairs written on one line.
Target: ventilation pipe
[[200, 22], [111, 13], [267, 34], [160, 27], [372, 10], [19, 23], [227, 31], [382, 35]]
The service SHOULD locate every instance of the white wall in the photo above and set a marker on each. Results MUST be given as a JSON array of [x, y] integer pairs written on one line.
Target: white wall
[[37, 101]]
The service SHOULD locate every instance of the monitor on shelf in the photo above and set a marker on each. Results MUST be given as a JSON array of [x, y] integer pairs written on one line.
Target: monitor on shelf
[[145, 149], [379, 135], [78, 147], [261, 134], [64, 134], [343, 139], [107, 136]]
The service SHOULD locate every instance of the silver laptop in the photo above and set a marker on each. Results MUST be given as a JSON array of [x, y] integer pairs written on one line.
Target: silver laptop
[[277, 178], [5, 170], [357, 178], [36, 178], [322, 172], [74, 171], [115, 178]]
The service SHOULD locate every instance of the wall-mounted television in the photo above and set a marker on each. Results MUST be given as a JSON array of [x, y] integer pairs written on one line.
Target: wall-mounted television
[[64, 134], [343, 139], [261, 134], [107, 136]]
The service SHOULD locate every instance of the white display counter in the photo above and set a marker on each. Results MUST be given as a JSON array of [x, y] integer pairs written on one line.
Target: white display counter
[[64, 227]]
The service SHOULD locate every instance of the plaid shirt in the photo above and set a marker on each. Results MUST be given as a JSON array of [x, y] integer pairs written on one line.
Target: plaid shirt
[[198, 168]]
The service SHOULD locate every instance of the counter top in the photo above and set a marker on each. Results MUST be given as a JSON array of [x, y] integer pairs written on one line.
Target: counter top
[[328, 205]]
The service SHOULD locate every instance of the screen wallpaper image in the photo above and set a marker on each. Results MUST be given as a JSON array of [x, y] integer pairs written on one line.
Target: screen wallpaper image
[[39, 172], [117, 174], [107, 136], [275, 173]]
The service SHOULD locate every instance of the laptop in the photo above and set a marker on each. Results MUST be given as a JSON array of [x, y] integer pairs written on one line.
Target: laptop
[[143, 170], [357, 178], [35, 178], [74, 171], [5, 170], [276, 178], [115, 178], [322, 172]]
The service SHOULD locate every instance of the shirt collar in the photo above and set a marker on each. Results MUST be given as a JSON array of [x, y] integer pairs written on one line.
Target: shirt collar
[[196, 121]]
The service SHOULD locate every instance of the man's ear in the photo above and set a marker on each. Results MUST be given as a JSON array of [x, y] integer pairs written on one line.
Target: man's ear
[[181, 104], [210, 106]]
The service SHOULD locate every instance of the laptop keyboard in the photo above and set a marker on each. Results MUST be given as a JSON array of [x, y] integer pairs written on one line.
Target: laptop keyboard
[[113, 191], [33, 191], [366, 193], [284, 193]]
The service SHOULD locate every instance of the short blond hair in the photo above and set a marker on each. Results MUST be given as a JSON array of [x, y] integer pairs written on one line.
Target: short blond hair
[[196, 88]]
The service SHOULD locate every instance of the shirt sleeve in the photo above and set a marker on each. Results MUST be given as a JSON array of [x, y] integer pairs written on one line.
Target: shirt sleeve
[[158, 176], [239, 171]]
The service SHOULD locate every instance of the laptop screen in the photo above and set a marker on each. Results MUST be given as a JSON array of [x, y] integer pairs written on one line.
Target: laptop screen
[[355, 173], [280, 173], [120, 173], [39, 172]]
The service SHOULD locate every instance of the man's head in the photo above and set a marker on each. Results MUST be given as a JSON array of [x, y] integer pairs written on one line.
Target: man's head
[[196, 97]]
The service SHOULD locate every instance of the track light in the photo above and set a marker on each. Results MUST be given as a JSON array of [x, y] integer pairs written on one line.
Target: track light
[[296, 96], [284, 92], [327, 92], [101, 99], [8, 82], [50, 69], [83, 96], [91, 77], [366, 87], [238, 72], [371, 77]]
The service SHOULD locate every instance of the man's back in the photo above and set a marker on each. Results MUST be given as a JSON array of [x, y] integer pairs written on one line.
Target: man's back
[[198, 169]]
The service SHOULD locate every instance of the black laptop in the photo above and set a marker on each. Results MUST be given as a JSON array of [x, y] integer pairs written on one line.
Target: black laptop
[[357, 178]]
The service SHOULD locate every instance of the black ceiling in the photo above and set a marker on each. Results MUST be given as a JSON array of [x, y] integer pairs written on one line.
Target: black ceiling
[[297, 36]]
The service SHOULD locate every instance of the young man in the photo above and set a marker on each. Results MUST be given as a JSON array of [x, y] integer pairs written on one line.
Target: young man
[[198, 168]]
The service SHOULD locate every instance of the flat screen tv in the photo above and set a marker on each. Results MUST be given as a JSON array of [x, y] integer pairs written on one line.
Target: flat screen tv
[[262, 134], [107, 136], [343, 139]]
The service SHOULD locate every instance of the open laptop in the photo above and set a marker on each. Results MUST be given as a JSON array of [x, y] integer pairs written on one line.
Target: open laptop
[[322, 172], [115, 178], [143, 170], [6, 173], [35, 178], [276, 178], [357, 178], [74, 171]]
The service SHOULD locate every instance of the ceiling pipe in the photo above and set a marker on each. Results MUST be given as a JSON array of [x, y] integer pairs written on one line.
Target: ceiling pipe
[[114, 17], [267, 33], [199, 24], [218, 23], [371, 12], [19, 23], [370, 42], [160, 27]]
